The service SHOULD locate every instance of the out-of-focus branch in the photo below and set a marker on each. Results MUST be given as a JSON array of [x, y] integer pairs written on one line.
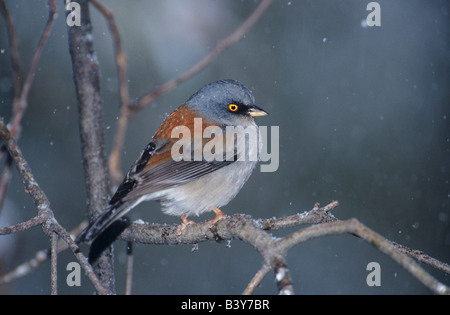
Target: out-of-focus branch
[[31, 186], [20, 98], [54, 265], [231, 39], [21, 104], [14, 47], [41, 256]]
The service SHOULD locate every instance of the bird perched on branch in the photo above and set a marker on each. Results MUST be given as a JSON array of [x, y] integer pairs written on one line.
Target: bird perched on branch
[[200, 171]]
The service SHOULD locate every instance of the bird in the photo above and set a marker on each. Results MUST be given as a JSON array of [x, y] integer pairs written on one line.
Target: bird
[[180, 172]]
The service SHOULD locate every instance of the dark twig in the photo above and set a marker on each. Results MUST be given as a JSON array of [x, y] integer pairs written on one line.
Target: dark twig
[[41, 256], [423, 258], [4, 179], [256, 280], [14, 46], [129, 273], [84, 263]]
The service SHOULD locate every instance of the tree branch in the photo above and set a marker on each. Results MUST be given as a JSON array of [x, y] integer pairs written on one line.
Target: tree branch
[[23, 226], [273, 250], [54, 257], [14, 47], [86, 78]]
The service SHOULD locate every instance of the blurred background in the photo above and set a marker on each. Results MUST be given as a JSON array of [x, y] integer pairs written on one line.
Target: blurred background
[[363, 114]]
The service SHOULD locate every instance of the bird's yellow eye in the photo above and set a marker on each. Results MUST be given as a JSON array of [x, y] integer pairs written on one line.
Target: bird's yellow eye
[[233, 107]]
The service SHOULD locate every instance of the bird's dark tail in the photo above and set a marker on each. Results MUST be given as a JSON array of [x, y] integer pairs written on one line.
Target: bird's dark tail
[[108, 217]]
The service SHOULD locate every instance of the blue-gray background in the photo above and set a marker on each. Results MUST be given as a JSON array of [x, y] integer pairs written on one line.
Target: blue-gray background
[[363, 114]]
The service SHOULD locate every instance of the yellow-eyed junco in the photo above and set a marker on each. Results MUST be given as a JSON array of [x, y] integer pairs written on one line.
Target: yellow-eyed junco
[[201, 182]]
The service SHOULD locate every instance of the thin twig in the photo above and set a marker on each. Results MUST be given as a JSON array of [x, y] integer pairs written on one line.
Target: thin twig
[[129, 272], [256, 280], [49, 224], [84, 263], [40, 257], [4, 179], [14, 46], [124, 95], [21, 105], [31, 186], [314, 216], [353, 226], [19, 227], [25, 268], [54, 265]]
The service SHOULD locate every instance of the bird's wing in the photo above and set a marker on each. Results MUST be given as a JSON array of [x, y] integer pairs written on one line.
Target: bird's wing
[[156, 169]]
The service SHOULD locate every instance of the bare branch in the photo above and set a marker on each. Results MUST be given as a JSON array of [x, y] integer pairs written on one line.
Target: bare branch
[[423, 258], [40, 256], [256, 280], [54, 258], [31, 186], [20, 106], [87, 84], [25, 268], [273, 250], [19, 227], [353, 226], [314, 216], [45, 213], [129, 273], [88, 269]]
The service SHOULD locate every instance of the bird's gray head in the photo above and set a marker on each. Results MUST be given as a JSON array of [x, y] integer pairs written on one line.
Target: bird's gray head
[[225, 101]]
